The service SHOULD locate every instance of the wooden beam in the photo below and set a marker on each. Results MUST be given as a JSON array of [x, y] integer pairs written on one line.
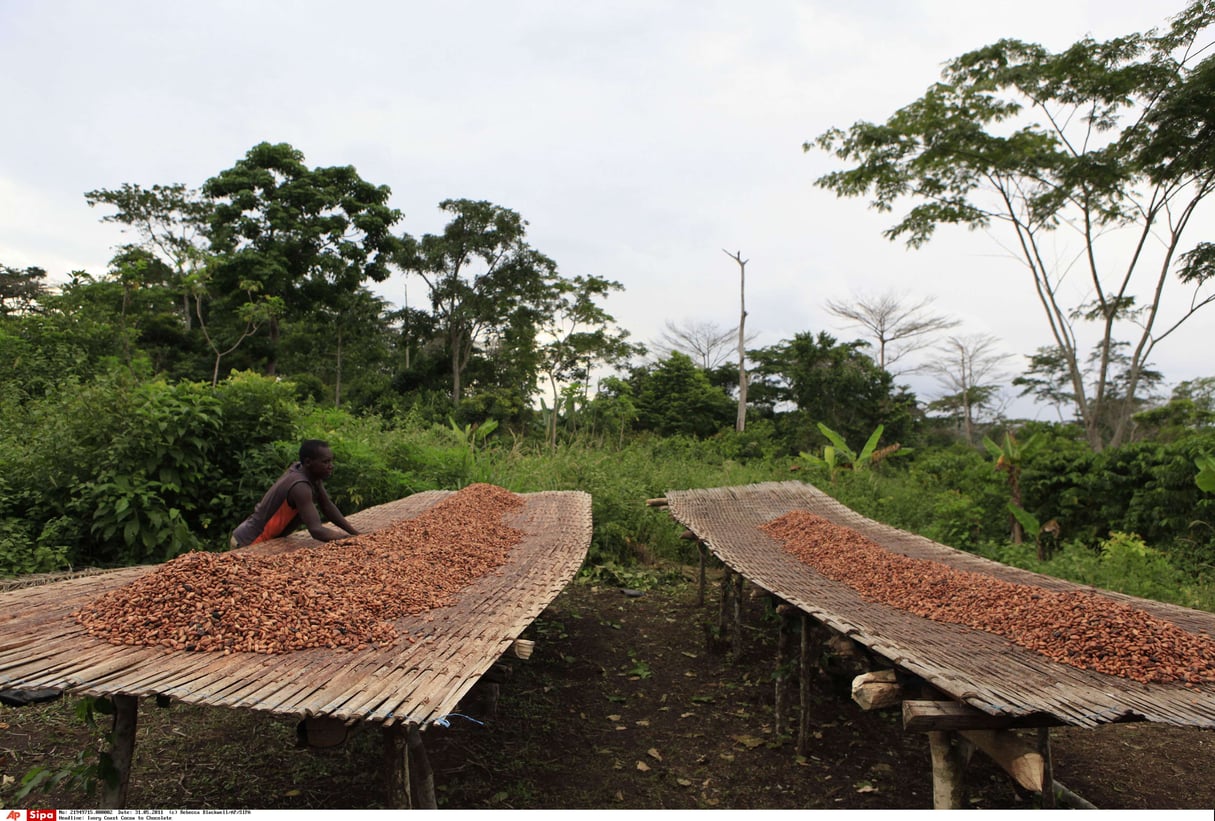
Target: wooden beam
[[659, 502], [1018, 759], [934, 715]]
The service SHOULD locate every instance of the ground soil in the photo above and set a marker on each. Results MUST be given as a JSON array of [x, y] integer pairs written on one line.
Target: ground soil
[[632, 699]]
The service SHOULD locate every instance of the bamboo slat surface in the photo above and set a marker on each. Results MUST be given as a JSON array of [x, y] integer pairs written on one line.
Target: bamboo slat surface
[[981, 669], [43, 647]]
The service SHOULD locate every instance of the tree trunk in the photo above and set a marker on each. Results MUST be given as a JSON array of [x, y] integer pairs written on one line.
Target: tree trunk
[[740, 422]]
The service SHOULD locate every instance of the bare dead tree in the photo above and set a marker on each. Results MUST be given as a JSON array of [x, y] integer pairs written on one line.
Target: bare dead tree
[[741, 422], [898, 327]]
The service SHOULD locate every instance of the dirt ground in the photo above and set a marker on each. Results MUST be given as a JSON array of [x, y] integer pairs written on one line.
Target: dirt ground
[[629, 701]]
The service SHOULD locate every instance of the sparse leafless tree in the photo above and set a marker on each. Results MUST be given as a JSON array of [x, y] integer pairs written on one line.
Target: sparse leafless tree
[[969, 369], [897, 326], [706, 342]]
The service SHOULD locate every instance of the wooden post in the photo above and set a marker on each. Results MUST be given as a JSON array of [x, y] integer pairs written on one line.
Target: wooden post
[[398, 793], [737, 637], [784, 667], [423, 776], [948, 765], [122, 751], [727, 588], [1048, 776], [803, 677], [700, 585]]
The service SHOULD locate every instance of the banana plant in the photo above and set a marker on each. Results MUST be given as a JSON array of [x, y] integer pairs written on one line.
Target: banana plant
[[1206, 473], [838, 456], [1010, 457]]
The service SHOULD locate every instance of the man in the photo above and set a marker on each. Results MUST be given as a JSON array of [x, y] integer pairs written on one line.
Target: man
[[297, 497]]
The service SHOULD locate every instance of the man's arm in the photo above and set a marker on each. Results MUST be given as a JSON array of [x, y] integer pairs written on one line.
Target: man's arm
[[301, 498], [333, 514]]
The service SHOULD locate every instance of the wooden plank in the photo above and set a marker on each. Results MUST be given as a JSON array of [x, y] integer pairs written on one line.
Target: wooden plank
[[935, 716]]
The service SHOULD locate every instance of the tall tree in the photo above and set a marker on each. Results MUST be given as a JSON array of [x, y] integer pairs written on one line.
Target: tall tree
[[832, 382], [21, 289], [308, 236], [897, 326], [482, 277], [170, 221], [576, 334], [675, 398], [1112, 141], [740, 422]]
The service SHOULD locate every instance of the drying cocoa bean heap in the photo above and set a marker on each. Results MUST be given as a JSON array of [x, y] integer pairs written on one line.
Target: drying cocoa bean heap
[[345, 593], [1079, 628]]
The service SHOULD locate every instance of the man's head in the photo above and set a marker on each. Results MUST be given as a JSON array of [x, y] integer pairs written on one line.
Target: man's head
[[316, 458]]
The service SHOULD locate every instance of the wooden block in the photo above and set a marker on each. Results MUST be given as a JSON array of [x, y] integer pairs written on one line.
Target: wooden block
[[877, 690]]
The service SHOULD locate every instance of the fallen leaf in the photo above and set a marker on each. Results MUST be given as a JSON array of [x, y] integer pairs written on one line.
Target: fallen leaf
[[683, 782], [614, 717], [292, 793], [642, 722], [748, 741], [654, 754], [643, 767], [864, 787], [689, 655]]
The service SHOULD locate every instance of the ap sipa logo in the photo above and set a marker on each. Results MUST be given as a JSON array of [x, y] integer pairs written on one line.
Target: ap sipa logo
[[41, 815]]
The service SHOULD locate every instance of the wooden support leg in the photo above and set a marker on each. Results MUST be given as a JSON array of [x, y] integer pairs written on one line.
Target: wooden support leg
[[700, 585], [737, 637], [727, 591], [805, 662], [398, 794], [423, 775], [948, 766], [122, 751], [1048, 776], [784, 668]]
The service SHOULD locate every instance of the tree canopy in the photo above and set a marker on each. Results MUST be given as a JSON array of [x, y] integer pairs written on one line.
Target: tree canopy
[[1111, 143]]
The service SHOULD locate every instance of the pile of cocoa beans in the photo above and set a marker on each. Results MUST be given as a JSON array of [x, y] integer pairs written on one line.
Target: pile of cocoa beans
[[1080, 628], [344, 593]]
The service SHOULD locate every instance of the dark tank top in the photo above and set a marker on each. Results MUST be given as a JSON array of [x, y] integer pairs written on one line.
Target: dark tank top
[[274, 514]]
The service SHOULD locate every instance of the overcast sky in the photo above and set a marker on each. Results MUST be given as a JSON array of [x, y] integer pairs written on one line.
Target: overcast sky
[[640, 140]]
